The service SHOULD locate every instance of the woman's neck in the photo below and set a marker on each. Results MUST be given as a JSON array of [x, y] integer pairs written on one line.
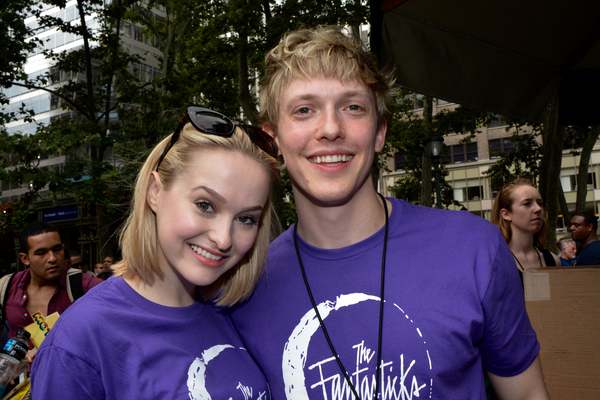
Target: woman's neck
[[521, 243]]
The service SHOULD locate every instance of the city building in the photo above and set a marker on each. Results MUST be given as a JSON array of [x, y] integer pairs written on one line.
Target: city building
[[467, 162]]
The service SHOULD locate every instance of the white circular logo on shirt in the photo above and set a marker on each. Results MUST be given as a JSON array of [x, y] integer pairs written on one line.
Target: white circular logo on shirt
[[397, 379]]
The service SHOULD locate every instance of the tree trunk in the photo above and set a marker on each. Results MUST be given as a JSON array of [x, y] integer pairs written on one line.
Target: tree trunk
[[547, 139], [244, 95], [426, 164], [553, 155], [564, 207], [103, 229], [584, 163]]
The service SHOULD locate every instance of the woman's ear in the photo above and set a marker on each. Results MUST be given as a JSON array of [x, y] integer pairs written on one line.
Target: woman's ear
[[154, 188], [506, 215]]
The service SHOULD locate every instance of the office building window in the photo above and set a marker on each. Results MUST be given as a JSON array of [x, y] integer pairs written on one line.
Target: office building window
[[460, 153], [496, 122], [400, 160], [468, 190], [416, 99], [569, 183], [500, 145]]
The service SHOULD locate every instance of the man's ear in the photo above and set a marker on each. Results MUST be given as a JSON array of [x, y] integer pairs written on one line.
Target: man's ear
[[505, 215], [380, 137], [269, 129], [24, 258], [154, 188]]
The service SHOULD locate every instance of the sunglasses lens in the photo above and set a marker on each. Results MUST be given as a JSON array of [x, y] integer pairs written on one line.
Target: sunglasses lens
[[261, 139], [212, 123]]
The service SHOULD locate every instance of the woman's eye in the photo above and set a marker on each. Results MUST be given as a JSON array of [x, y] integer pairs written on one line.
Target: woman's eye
[[304, 110], [205, 206], [354, 107], [247, 220]]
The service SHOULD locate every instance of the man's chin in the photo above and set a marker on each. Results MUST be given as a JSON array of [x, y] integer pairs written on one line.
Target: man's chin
[[53, 272]]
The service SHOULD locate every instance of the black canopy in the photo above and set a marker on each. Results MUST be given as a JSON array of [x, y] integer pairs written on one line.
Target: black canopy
[[507, 57]]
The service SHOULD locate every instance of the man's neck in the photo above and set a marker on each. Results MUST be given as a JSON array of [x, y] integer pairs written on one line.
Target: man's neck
[[589, 240], [37, 282], [342, 225]]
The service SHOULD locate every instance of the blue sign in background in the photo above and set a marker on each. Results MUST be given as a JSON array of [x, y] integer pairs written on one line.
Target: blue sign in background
[[60, 214]]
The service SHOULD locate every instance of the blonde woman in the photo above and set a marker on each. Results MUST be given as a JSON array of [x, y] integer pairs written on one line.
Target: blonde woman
[[195, 240]]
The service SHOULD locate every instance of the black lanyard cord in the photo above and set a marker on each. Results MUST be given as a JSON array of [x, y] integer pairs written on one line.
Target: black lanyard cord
[[381, 304]]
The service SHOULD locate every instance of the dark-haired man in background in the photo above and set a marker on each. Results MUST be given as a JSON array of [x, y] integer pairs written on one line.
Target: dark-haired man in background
[[583, 230], [42, 286]]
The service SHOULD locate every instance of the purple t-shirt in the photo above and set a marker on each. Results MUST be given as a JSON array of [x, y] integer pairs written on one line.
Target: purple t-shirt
[[114, 344], [453, 305]]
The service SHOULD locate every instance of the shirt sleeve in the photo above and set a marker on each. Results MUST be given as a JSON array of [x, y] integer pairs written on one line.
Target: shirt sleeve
[[509, 342], [58, 374]]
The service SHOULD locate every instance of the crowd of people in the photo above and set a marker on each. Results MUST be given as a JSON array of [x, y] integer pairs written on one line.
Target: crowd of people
[[358, 299]]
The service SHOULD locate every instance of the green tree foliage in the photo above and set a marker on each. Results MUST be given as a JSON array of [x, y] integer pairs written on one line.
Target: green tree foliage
[[210, 53], [522, 161], [86, 81]]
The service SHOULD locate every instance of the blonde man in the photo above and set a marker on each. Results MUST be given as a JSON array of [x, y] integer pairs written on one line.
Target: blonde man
[[366, 297]]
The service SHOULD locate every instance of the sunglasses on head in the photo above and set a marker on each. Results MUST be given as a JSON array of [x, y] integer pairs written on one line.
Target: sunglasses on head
[[214, 123]]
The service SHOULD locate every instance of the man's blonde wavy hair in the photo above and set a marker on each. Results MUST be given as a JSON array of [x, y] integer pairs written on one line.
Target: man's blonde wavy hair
[[138, 238], [323, 52]]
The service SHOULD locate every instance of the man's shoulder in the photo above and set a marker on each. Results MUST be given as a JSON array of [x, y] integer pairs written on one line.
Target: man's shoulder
[[590, 254], [17, 278], [458, 223], [592, 248], [20, 275], [90, 280]]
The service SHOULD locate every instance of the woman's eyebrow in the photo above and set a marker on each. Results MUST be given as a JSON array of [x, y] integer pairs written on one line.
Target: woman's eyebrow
[[212, 192]]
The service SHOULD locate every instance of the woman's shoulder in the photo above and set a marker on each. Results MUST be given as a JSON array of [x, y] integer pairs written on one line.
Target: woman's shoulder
[[84, 317], [549, 258]]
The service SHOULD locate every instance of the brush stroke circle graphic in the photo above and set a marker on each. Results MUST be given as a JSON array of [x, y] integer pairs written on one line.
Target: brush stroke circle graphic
[[197, 385], [296, 349]]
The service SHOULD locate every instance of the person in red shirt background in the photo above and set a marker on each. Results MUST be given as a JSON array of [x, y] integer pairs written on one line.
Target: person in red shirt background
[[42, 286]]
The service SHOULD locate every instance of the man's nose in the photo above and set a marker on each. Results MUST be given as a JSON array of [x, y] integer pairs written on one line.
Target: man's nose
[[331, 127]]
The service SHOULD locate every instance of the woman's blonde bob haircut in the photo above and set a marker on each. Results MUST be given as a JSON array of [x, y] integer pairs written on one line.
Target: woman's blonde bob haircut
[[505, 199], [323, 52], [138, 238]]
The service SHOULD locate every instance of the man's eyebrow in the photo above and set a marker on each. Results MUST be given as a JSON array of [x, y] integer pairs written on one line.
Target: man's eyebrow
[[212, 192], [310, 96], [302, 97], [40, 249]]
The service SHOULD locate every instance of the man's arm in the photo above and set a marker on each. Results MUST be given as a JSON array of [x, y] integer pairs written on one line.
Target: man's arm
[[528, 385]]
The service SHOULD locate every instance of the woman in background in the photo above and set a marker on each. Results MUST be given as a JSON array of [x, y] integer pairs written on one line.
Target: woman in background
[[519, 213], [197, 236]]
